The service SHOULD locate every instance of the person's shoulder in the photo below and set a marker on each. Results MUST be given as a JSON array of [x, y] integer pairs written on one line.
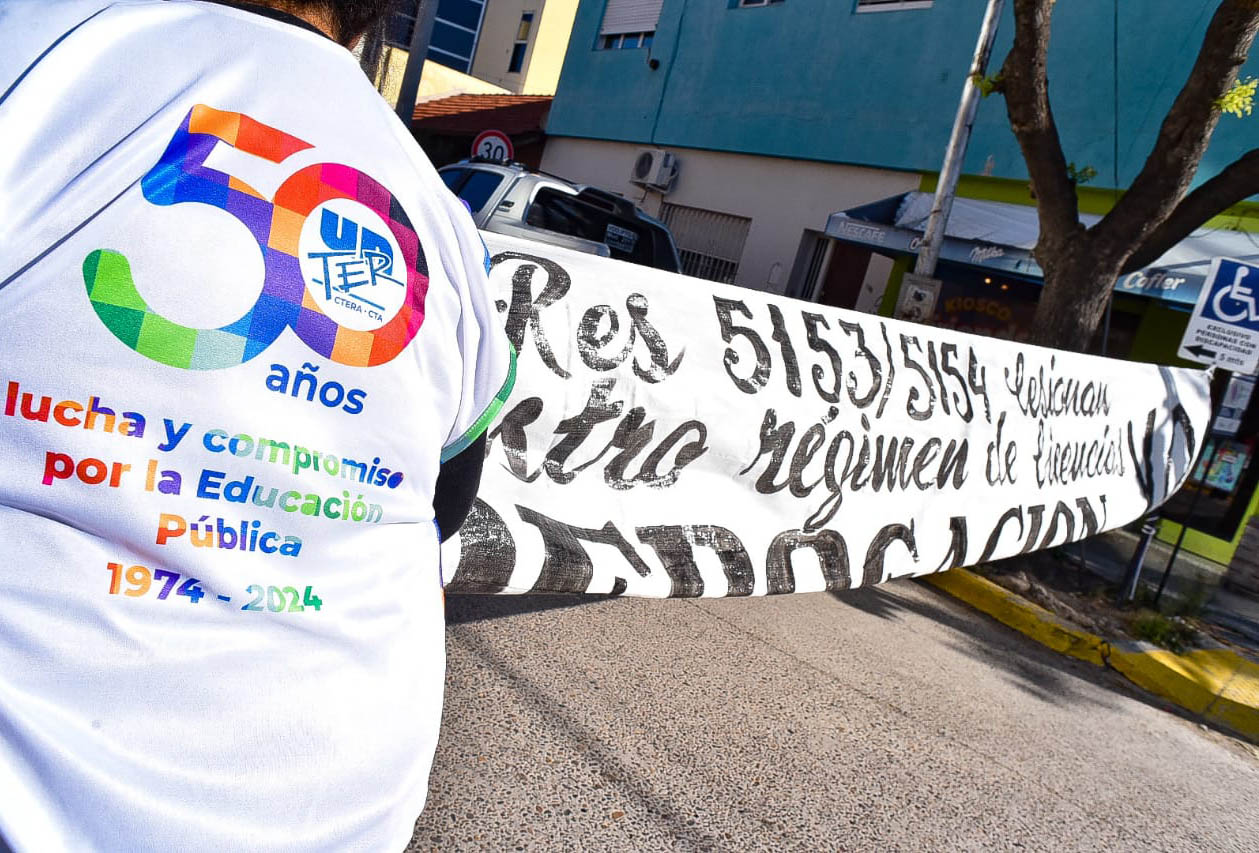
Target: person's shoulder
[[29, 27], [48, 14]]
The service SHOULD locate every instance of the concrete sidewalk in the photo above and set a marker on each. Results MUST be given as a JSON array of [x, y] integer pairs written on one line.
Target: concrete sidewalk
[[1192, 577], [1218, 684]]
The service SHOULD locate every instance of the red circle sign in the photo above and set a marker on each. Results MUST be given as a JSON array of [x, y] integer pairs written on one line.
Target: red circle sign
[[493, 145]]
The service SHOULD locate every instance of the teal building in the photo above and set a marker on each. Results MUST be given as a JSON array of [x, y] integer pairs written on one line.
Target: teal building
[[787, 142]]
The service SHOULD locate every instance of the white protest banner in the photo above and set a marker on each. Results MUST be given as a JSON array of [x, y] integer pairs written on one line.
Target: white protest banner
[[671, 437]]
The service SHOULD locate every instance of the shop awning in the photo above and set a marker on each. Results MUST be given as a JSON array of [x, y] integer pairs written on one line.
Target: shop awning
[[998, 236]]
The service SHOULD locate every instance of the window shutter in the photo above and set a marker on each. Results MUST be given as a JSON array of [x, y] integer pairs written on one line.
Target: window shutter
[[630, 16]]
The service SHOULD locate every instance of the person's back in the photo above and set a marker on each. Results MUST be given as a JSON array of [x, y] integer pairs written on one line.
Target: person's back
[[243, 321]]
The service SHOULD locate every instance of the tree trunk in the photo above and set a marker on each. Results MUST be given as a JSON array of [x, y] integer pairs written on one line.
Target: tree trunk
[[1080, 264], [1073, 299]]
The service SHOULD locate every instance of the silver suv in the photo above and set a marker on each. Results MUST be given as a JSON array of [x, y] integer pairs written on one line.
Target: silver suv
[[508, 198]]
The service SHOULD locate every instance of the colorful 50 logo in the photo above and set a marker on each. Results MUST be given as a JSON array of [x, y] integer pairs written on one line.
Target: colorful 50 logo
[[350, 281]]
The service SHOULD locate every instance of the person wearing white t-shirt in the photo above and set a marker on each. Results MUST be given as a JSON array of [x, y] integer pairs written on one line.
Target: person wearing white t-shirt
[[246, 364]]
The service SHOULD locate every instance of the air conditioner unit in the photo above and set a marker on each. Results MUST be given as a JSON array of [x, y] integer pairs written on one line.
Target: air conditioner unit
[[656, 168]]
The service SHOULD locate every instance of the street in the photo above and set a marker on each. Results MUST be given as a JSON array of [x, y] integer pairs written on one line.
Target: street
[[884, 718]]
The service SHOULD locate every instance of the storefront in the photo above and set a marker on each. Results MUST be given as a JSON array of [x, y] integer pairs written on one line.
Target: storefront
[[990, 284], [1221, 499]]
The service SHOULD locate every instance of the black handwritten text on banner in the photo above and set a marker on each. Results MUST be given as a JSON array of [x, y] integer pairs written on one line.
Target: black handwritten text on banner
[[673, 437]]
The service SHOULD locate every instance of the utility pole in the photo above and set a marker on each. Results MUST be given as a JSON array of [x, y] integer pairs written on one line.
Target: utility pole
[[946, 189], [425, 15]]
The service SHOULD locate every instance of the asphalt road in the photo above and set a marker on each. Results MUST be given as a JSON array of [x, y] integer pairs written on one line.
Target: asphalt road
[[889, 718]]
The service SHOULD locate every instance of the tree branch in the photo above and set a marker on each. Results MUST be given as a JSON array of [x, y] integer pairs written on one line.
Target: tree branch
[[1183, 137], [1025, 83], [1238, 182]]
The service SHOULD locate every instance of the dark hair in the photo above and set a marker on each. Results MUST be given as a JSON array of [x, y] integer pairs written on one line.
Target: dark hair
[[352, 18]]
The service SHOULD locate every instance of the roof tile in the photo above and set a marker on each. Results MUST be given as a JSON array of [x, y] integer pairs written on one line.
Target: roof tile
[[457, 104], [470, 114]]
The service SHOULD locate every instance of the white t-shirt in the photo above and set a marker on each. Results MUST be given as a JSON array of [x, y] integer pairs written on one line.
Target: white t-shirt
[[242, 322]]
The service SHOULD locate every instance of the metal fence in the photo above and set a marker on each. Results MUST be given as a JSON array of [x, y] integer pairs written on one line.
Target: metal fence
[[710, 243]]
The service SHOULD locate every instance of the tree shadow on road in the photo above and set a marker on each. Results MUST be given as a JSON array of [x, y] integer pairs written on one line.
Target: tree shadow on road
[[1033, 668]]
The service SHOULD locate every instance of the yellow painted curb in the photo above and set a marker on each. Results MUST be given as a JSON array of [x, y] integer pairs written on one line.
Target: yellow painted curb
[[1218, 684], [1172, 676], [1237, 703], [1021, 615]]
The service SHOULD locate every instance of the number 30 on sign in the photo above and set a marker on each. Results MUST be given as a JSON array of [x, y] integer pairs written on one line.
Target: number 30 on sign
[[493, 145]]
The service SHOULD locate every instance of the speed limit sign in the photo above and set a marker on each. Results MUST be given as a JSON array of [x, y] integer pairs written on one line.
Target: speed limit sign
[[492, 145]]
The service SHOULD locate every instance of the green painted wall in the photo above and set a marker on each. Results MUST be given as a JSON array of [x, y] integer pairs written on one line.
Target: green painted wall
[[1095, 200], [1197, 542], [1159, 334]]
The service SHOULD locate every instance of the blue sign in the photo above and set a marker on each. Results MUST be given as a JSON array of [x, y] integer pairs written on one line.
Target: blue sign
[[1232, 297], [1224, 328]]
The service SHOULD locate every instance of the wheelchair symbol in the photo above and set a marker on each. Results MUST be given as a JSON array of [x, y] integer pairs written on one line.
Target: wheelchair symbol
[[1240, 294]]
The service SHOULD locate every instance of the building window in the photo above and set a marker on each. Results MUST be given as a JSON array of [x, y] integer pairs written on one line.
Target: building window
[[710, 244], [628, 23], [455, 30], [517, 57], [891, 5], [758, 2], [625, 40], [526, 24], [521, 45]]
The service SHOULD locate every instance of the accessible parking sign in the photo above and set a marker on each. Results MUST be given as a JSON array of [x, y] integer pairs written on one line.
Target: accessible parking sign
[[1224, 328]]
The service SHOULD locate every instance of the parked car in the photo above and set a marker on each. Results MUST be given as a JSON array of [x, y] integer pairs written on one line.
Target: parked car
[[508, 198]]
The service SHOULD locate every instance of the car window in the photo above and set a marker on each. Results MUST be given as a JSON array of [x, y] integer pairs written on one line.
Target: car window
[[626, 239], [452, 177], [478, 188], [562, 212]]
